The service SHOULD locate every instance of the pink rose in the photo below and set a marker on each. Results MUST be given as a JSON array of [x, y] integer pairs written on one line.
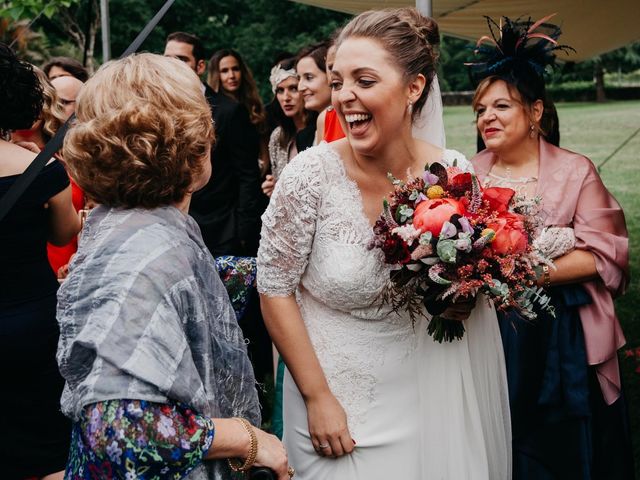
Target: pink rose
[[430, 215]]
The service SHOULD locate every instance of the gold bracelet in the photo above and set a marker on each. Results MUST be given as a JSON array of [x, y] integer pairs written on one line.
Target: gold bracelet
[[546, 278], [235, 464]]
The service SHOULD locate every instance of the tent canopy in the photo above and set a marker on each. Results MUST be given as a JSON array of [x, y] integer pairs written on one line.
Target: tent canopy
[[591, 27]]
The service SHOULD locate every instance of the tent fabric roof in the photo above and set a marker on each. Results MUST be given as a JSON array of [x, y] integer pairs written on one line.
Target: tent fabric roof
[[591, 27]]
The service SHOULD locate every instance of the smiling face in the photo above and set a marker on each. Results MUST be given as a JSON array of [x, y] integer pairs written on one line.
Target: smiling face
[[289, 98], [371, 95], [230, 74], [313, 85], [502, 120]]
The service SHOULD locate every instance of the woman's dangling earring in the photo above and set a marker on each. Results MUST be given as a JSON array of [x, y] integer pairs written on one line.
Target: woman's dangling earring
[[410, 107], [532, 131]]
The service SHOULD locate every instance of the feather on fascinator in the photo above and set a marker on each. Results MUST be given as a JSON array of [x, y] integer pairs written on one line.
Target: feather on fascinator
[[518, 51]]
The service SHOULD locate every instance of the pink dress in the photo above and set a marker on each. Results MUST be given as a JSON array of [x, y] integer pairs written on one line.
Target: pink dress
[[573, 195]]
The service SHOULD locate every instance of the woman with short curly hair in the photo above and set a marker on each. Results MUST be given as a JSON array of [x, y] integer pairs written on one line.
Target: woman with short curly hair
[[154, 359], [34, 435]]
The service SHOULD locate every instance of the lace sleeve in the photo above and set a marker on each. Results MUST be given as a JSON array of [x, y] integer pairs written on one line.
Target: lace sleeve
[[451, 157], [288, 226]]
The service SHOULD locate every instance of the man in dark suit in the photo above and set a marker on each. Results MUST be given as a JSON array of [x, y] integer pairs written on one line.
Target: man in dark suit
[[227, 209]]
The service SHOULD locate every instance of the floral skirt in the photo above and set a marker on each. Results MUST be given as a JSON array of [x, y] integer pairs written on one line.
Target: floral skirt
[[135, 439]]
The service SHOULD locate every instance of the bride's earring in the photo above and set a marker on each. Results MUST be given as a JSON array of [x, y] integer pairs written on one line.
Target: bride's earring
[[532, 131], [410, 107]]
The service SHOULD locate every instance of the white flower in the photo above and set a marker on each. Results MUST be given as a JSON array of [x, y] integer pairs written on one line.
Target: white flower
[[131, 476], [134, 410], [165, 427], [114, 452], [407, 232]]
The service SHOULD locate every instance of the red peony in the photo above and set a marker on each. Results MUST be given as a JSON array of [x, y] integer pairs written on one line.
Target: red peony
[[498, 198], [430, 215], [460, 184], [511, 236], [395, 250]]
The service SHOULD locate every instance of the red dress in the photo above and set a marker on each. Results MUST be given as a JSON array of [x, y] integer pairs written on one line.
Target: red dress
[[332, 128], [59, 256]]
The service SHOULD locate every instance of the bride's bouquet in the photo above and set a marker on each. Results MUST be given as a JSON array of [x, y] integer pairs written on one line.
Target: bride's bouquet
[[447, 238]]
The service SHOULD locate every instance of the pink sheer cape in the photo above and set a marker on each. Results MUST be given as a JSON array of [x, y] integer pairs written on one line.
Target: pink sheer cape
[[573, 195]]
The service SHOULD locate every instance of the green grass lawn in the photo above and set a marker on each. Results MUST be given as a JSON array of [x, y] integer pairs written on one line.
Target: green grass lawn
[[596, 130]]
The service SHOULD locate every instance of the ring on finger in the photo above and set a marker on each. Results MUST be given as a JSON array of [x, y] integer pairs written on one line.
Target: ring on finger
[[323, 445]]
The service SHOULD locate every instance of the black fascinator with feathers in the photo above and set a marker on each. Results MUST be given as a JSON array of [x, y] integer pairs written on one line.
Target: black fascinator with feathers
[[519, 51]]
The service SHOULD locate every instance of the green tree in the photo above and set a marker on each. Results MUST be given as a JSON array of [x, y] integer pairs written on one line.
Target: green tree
[[452, 73], [71, 20], [258, 29]]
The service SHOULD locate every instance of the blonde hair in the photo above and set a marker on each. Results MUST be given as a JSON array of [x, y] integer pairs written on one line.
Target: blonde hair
[[53, 115], [143, 128], [409, 37]]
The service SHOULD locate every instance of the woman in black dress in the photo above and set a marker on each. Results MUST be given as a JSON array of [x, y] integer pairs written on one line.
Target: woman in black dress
[[34, 435]]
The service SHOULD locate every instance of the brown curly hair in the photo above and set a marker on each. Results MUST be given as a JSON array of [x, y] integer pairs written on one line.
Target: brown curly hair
[[142, 133], [53, 116]]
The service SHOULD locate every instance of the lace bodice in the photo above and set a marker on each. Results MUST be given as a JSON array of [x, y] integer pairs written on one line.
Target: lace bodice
[[315, 234], [315, 240]]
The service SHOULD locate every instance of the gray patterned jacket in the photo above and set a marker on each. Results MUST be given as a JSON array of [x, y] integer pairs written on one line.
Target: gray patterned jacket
[[144, 315]]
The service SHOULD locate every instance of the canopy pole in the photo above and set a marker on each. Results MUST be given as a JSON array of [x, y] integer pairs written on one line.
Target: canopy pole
[[424, 7], [106, 31]]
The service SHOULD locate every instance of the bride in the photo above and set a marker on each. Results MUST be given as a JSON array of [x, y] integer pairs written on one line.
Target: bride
[[367, 395]]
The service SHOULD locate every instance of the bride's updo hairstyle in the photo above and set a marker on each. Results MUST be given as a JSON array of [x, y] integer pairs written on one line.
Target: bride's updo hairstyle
[[409, 37], [143, 127]]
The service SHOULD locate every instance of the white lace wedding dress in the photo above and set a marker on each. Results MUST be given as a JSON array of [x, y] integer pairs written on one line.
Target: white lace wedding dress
[[418, 410]]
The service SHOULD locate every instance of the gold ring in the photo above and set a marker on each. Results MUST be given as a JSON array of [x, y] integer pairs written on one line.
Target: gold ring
[[291, 471]]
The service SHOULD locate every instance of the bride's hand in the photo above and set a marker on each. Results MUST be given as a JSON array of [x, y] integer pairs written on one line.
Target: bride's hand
[[328, 426], [460, 310]]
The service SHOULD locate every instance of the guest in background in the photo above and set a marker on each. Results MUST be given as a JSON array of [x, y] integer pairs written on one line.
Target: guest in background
[[154, 360], [328, 125], [291, 117], [314, 87], [65, 67], [229, 74], [273, 104], [226, 209], [52, 118], [67, 88], [34, 435]]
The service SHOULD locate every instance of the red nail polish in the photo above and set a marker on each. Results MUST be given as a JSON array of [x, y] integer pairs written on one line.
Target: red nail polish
[[354, 442]]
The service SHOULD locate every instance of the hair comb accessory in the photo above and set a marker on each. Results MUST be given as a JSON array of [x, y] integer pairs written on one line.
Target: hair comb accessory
[[279, 75]]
